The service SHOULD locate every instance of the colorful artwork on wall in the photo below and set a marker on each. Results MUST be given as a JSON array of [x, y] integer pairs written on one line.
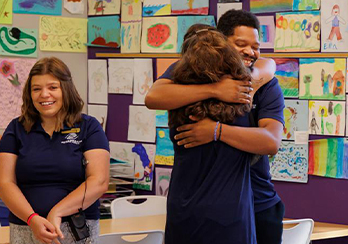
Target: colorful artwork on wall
[[287, 75], [295, 117], [6, 12], [297, 32], [290, 163], [326, 118], [121, 73], [103, 7], [306, 5], [142, 124], [322, 78], [143, 79], [162, 181], [46, 7], [144, 166], [190, 7], [156, 8], [74, 6], [329, 158], [165, 150], [161, 118], [265, 6], [104, 31], [267, 31]]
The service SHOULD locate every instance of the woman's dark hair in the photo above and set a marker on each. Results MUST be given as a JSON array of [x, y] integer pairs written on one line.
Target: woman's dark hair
[[206, 58], [70, 113]]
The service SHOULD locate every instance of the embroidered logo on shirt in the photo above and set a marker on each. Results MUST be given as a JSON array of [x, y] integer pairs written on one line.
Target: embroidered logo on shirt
[[71, 138]]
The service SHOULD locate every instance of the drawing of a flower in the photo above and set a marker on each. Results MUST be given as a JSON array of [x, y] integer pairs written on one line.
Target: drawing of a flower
[[7, 68]]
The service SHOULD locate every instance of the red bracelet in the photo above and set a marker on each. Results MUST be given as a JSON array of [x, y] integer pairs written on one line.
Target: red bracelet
[[30, 217]]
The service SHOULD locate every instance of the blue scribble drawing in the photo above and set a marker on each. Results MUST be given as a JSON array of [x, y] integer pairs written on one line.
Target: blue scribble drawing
[[147, 164], [47, 7], [29, 4]]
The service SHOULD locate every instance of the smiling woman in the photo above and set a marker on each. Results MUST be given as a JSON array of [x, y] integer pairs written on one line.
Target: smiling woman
[[43, 179]]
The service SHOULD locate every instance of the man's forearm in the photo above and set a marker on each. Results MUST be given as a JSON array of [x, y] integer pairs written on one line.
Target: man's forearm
[[166, 95]]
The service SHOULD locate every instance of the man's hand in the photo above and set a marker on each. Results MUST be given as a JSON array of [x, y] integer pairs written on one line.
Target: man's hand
[[232, 91], [43, 230], [196, 134]]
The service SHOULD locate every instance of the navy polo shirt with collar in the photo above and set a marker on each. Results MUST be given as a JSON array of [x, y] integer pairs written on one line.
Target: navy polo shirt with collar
[[49, 168]]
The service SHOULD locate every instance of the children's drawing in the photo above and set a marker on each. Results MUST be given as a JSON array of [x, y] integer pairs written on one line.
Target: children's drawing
[[103, 7], [267, 31], [165, 150], [322, 78], [142, 125], [144, 166], [162, 65], [122, 159], [161, 118], [224, 7], [6, 12], [287, 75], [104, 31], [74, 6], [13, 75], [329, 158], [162, 181], [185, 22], [121, 76], [297, 32], [143, 79], [190, 7], [18, 42], [264, 6], [326, 118], [290, 163], [156, 7], [131, 20], [334, 21], [100, 112], [46, 7], [159, 35], [295, 117], [63, 34], [97, 82], [306, 5]]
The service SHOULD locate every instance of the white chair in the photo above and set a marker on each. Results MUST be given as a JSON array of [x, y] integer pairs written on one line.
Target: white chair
[[123, 207], [141, 237], [298, 234]]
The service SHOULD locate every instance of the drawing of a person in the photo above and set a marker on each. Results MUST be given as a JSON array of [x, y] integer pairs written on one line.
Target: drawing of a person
[[314, 124], [335, 20]]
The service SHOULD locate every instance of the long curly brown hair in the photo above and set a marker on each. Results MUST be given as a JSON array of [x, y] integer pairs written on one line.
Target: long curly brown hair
[[206, 58]]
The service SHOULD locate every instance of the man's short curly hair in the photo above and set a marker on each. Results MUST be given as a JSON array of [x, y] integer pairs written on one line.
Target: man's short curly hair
[[234, 18]]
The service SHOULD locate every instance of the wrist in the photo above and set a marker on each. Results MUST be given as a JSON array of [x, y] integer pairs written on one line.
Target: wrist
[[30, 217]]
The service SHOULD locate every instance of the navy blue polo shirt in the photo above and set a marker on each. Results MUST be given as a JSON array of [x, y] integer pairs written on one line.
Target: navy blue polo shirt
[[268, 102], [49, 168]]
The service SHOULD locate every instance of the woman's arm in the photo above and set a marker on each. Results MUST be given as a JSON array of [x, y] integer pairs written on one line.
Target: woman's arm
[[14, 199], [97, 178]]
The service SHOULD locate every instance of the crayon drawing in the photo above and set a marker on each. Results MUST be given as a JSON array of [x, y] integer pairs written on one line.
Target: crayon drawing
[[161, 118], [329, 158], [306, 5], [143, 79], [297, 32], [104, 7], [97, 81], [326, 118], [165, 149], [104, 31], [74, 6], [287, 75], [144, 166], [13, 75], [295, 117], [159, 35], [290, 163], [190, 7], [334, 21], [121, 76], [185, 22], [18, 42], [63, 34], [162, 181], [322, 78], [6, 12], [100, 112], [264, 6], [142, 125], [46, 7], [156, 7], [122, 159], [267, 31]]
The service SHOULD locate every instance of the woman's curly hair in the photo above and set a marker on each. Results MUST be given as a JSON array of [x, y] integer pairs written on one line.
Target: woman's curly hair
[[206, 58]]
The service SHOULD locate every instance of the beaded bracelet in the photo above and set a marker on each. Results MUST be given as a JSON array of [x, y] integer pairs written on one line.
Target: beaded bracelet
[[30, 217], [220, 132], [216, 127]]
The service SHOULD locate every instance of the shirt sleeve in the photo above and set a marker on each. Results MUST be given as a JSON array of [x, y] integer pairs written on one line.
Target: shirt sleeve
[[95, 138], [168, 73], [9, 142], [271, 102]]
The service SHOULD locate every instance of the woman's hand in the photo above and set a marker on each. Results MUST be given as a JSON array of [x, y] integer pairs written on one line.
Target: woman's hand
[[43, 230], [55, 220]]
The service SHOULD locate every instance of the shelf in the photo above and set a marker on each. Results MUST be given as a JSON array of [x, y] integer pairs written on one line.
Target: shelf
[[176, 55]]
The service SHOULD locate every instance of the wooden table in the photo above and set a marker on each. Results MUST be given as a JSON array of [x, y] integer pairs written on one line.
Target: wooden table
[[157, 222]]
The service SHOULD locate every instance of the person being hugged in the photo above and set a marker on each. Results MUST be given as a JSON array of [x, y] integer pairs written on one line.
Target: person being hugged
[[54, 160]]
